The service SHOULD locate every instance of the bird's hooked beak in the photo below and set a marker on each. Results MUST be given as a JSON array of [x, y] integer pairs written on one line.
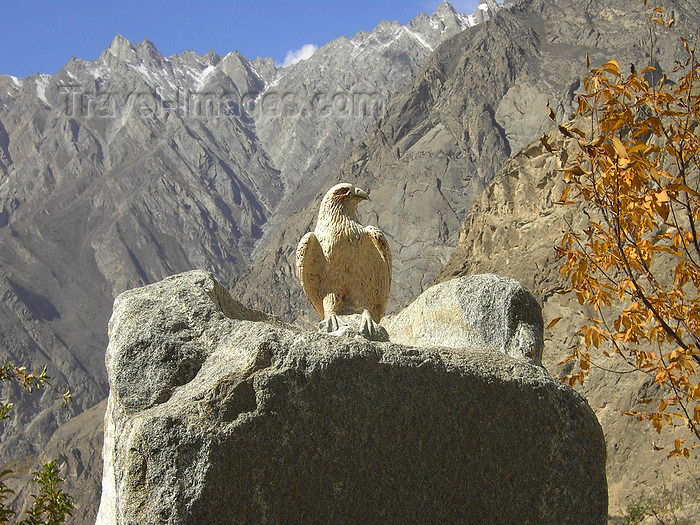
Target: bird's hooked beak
[[361, 195]]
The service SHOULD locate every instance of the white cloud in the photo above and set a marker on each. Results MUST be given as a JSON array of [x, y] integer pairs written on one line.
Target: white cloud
[[294, 56]]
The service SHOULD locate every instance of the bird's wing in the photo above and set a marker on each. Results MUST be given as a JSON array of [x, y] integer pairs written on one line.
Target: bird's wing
[[384, 281], [381, 244], [311, 270]]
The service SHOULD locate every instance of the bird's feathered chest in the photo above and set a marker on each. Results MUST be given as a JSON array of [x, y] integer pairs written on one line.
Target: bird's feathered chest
[[337, 233]]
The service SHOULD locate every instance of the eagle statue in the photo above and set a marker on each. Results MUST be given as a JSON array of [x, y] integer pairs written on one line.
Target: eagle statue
[[344, 267]]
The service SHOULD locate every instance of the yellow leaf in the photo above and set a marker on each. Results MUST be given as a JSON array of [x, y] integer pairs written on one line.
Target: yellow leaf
[[682, 187], [578, 132], [656, 126], [639, 147], [612, 67], [570, 358], [585, 362], [565, 132], [546, 144], [563, 200], [553, 322], [620, 148], [582, 105]]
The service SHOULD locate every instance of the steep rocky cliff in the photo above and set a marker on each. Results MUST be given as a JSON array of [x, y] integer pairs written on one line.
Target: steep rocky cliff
[[480, 98]]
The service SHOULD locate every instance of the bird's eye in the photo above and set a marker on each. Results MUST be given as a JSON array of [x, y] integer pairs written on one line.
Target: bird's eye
[[346, 191]]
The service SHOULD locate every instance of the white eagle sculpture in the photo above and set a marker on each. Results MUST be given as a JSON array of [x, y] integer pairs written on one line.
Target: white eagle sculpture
[[344, 267]]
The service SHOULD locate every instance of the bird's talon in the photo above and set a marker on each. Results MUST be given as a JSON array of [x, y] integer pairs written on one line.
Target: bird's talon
[[371, 330], [330, 325]]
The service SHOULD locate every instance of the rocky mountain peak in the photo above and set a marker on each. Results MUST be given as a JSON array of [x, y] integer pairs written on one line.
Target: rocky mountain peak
[[485, 10], [445, 12], [147, 51], [449, 17], [446, 20], [120, 48]]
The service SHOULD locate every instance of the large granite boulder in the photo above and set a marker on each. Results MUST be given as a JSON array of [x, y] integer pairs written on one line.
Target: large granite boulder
[[474, 311], [218, 414]]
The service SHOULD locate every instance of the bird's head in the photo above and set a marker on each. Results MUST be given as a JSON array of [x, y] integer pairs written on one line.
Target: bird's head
[[343, 197]]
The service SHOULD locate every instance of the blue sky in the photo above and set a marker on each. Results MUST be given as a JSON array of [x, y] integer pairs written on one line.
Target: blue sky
[[40, 36]]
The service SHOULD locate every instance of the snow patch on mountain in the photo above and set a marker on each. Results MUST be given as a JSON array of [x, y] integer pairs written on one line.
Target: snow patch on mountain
[[419, 38], [42, 81], [201, 77], [100, 71]]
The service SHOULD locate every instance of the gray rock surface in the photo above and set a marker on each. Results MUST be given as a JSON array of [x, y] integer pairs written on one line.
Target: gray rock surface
[[477, 311], [218, 414]]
